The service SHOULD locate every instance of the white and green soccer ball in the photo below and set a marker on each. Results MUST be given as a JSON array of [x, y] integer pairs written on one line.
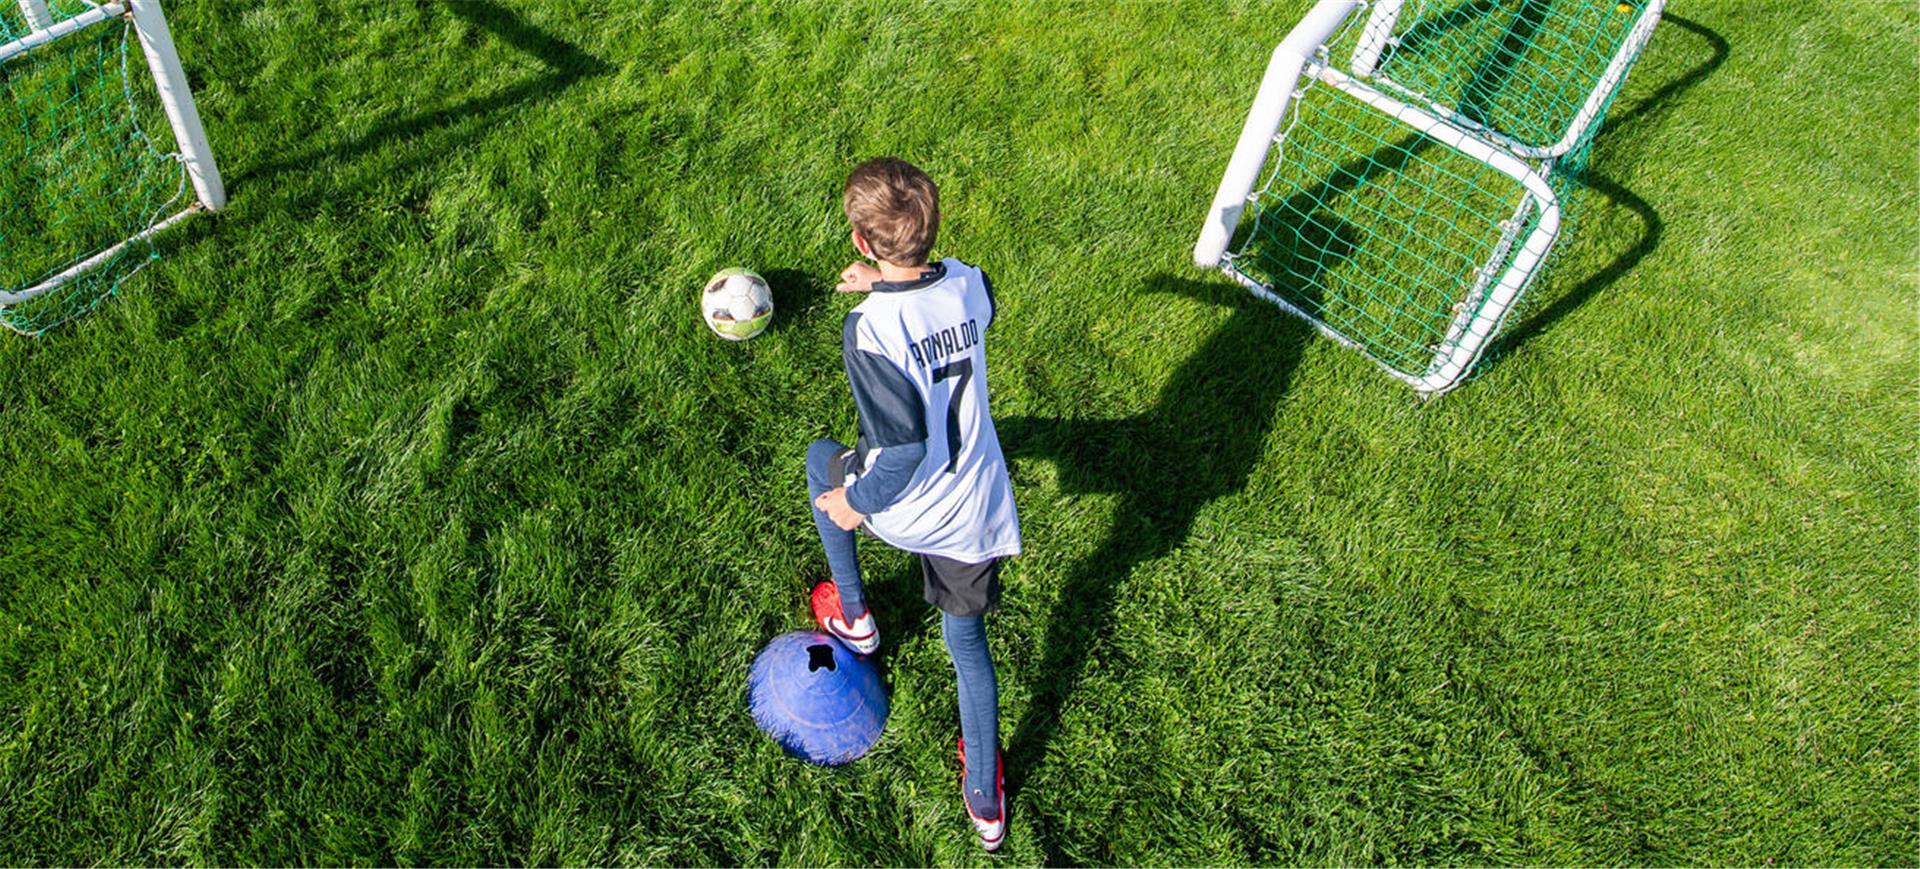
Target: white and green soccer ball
[[736, 304]]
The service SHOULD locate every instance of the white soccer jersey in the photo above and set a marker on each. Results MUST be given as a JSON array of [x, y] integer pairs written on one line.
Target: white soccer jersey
[[915, 359]]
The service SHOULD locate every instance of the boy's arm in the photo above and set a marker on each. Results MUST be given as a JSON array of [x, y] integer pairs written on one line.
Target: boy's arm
[[892, 418], [882, 482]]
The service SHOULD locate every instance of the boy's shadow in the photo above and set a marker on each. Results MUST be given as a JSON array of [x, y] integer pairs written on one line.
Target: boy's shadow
[[1203, 436], [1200, 440]]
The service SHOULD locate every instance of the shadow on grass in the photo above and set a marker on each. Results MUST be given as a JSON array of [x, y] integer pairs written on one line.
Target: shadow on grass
[[1531, 325], [794, 291], [1198, 441], [1652, 227], [566, 65], [1204, 435], [1658, 100]]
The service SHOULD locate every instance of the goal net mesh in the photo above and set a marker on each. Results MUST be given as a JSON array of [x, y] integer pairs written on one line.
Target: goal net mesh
[[1522, 68], [87, 165], [1388, 238], [1373, 230]]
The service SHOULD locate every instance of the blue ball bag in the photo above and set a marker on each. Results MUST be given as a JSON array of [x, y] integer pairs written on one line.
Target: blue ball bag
[[816, 698]]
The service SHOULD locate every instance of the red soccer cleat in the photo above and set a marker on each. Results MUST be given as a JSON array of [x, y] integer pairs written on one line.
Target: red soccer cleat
[[992, 833], [861, 635]]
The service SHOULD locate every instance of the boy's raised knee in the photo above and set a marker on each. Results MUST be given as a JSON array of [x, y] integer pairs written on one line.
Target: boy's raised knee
[[820, 455]]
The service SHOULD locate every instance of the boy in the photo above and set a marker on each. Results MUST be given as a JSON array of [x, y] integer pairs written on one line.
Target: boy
[[926, 474]]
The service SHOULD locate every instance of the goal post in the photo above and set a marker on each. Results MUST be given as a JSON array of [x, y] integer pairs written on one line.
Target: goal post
[[156, 42], [1404, 202], [1290, 60], [1375, 36], [85, 186], [37, 14]]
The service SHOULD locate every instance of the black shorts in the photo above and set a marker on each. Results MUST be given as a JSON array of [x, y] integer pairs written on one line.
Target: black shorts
[[957, 588]]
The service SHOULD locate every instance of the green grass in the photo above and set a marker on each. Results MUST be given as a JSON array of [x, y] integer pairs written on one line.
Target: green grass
[[408, 513]]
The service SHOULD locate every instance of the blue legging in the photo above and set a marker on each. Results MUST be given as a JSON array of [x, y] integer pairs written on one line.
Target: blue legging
[[966, 638], [979, 707], [842, 559]]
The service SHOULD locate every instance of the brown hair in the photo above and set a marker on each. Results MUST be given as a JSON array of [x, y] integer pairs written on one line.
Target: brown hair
[[896, 207]]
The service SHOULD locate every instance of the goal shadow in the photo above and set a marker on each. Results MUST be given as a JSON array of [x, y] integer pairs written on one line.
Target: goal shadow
[[1543, 311], [566, 65]]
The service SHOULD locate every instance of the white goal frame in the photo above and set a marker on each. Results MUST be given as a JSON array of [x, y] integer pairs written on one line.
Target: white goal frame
[[176, 98], [1304, 56]]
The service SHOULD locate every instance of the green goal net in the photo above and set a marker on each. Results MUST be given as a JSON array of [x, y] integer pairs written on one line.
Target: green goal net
[[1522, 71]]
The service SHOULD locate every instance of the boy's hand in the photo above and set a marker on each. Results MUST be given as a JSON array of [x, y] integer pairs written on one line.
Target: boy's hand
[[857, 278], [833, 502]]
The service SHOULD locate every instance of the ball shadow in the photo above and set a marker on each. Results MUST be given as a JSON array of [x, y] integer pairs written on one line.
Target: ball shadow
[[795, 292]]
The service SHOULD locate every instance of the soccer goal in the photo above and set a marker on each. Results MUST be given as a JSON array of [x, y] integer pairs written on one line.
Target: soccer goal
[[1410, 165], [98, 158]]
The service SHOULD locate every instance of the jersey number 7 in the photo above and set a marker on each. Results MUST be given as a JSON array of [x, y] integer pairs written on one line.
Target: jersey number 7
[[963, 370]]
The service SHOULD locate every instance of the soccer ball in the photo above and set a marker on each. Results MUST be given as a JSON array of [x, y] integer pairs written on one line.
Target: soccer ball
[[737, 304]]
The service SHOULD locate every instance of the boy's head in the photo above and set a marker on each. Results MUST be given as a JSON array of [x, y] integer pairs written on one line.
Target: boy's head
[[895, 210]]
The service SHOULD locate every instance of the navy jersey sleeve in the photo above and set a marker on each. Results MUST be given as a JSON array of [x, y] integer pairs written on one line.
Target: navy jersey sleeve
[[891, 413], [885, 478]]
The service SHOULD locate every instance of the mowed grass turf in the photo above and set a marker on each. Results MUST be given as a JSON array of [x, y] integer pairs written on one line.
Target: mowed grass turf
[[408, 513]]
